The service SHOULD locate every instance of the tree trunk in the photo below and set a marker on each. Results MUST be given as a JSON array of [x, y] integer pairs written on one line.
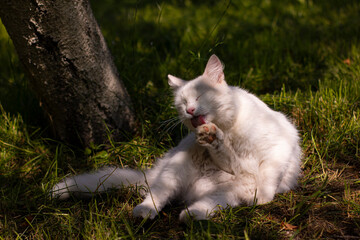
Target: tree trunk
[[70, 67]]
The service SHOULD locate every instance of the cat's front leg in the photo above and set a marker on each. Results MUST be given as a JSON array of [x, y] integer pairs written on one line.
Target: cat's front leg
[[146, 209], [210, 136], [154, 201]]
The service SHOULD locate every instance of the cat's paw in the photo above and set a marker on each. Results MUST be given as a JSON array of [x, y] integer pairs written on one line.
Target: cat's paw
[[144, 210], [208, 134], [265, 195]]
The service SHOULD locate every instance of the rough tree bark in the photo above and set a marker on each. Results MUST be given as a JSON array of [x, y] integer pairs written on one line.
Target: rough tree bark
[[70, 67]]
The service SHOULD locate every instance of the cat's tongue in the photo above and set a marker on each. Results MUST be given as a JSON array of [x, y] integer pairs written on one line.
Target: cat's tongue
[[198, 121]]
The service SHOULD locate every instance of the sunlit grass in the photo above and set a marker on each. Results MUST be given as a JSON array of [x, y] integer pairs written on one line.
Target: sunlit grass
[[300, 57]]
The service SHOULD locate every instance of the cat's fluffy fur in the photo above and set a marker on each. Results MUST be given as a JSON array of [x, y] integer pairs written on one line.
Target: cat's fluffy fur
[[239, 151]]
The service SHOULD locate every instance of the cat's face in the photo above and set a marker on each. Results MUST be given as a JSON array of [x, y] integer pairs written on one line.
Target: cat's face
[[204, 99]]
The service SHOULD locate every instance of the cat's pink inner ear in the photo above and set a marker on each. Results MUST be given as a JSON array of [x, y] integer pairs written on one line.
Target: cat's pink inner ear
[[214, 70], [175, 82]]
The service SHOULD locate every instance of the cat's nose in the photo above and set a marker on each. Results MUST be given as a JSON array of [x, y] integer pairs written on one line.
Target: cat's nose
[[190, 111]]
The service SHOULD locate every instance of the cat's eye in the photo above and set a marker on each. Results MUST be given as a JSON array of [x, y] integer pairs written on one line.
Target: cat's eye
[[199, 96]]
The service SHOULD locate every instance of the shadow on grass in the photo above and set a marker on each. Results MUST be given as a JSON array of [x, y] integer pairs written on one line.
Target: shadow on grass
[[263, 44]]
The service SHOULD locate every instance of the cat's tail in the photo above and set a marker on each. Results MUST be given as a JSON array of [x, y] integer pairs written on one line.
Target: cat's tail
[[88, 184]]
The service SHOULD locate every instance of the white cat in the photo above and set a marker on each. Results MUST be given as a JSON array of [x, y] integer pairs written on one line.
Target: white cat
[[239, 151]]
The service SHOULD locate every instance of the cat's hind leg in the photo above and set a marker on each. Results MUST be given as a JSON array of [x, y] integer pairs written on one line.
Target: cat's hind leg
[[205, 207], [277, 174], [206, 196]]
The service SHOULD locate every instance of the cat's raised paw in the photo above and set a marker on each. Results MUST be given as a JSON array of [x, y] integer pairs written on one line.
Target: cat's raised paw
[[207, 133]]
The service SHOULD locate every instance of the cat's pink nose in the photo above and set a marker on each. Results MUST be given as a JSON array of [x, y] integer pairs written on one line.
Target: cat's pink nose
[[190, 110]]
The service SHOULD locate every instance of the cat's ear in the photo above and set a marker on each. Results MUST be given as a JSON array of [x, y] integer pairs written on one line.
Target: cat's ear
[[175, 82], [214, 70]]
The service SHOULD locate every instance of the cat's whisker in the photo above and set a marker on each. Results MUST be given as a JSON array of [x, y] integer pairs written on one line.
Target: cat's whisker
[[174, 125], [167, 122], [169, 125]]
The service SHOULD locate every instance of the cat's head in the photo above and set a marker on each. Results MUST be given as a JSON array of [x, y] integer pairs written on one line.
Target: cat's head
[[204, 99]]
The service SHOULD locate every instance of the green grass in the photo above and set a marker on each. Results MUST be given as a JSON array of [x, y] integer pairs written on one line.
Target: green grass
[[301, 57]]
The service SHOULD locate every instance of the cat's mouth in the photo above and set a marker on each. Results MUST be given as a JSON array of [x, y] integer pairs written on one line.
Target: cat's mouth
[[198, 121]]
